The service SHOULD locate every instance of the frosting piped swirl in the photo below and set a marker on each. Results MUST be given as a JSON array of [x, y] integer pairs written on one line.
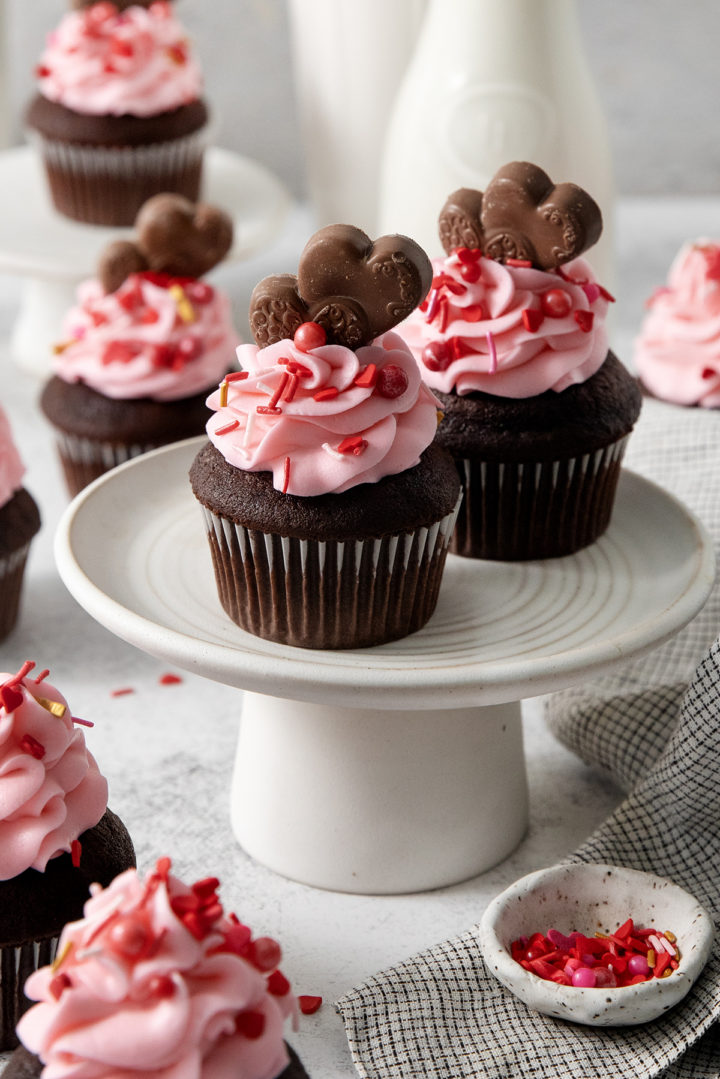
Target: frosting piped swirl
[[51, 790], [326, 419], [508, 329], [677, 353], [102, 61], [157, 980]]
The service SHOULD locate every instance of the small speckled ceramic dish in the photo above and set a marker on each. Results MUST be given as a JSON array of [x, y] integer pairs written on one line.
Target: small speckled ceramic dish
[[595, 898]]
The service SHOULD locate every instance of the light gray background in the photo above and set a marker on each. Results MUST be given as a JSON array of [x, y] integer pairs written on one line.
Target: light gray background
[[655, 61]]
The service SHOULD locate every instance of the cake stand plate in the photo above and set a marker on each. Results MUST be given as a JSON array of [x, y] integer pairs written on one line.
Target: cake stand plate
[[54, 253], [396, 768]]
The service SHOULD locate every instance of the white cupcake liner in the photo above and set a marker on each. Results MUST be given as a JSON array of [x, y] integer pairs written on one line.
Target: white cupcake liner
[[123, 162], [328, 593], [515, 511], [17, 963], [84, 459]]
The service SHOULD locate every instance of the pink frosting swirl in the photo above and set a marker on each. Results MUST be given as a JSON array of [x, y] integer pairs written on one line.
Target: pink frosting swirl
[[508, 330], [156, 980], [12, 469], [50, 788], [153, 337], [104, 62], [327, 419], [677, 353]]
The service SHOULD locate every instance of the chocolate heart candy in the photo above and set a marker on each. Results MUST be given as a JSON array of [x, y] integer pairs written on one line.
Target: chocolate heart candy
[[117, 262], [182, 238], [356, 289], [522, 215]]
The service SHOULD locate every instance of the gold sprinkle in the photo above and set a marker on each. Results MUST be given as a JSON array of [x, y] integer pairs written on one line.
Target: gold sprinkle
[[223, 393], [185, 308], [62, 345], [667, 972], [669, 936], [61, 956], [440, 415], [55, 707], [651, 957]]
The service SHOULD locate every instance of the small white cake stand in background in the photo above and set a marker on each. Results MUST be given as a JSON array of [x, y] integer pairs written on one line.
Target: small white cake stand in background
[[53, 253], [398, 768]]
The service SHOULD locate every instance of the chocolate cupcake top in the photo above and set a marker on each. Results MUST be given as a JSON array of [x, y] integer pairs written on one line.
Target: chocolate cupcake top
[[332, 399], [12, 469], [158, 979], [119, 59], [147, 326], [51, 790], [677, 353], [513, 309]]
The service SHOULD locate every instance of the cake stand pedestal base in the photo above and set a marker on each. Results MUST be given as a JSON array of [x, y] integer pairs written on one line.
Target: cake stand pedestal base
[[369, 801], [38, 325]]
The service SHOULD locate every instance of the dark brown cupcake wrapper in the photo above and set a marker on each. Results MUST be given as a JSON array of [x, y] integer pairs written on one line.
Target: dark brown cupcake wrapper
[[16, 966], [84, 459], [328, 593], [519, 511], [108, 185], [12, 572]]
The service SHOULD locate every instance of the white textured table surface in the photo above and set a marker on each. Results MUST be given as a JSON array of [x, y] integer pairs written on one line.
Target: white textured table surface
[[168, 750]]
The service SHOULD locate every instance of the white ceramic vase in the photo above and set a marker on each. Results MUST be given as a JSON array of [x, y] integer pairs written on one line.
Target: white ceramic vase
[[493, 81]]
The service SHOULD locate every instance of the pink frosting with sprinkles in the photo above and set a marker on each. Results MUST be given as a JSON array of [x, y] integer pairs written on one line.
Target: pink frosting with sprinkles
[[326, 419], [50, 788], [153, 337], [508, 330], [677, 354], [12, 469], [157, 980], [105, 62]]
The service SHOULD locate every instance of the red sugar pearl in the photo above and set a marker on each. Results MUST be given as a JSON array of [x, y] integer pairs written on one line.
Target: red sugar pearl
[[470, 272], [392, 381], [436, 356], [308, 336], [265, 953], [130, 937], [556, 303]]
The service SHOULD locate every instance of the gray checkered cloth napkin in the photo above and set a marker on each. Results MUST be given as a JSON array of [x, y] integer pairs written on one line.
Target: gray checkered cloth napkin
[[441, 1014]]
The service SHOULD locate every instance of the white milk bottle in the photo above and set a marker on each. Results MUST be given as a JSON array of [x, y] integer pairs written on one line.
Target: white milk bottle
[[493, 81]]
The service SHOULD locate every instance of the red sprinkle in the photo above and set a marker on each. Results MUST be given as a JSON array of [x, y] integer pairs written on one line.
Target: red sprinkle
[[532, 319], [366, 378], [308, 1004], [251, 1024], [30, 745], [11, 697], [236, 376], [58, 984], [286, 475], [353, 444], [584, 320], [122, 692], [326, 394], [268, 410], [227, 427], [75, 852], [169, 680], [278, 984], [523, 264]]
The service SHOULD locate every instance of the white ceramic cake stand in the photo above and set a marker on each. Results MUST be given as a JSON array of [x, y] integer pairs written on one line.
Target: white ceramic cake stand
[[53, 253], [398, 768]]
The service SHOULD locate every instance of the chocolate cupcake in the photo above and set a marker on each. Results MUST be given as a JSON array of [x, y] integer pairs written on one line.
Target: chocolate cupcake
[[57, 836], [19, 522], [145, 343], [192, 989], [512, 340], [119, 114], [327, 511]]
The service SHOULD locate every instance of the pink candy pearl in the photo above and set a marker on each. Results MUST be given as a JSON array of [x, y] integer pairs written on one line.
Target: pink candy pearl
[[584, 978], [638, 964]]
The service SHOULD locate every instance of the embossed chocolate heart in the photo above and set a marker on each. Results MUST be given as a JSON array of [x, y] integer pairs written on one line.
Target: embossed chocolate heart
[[356, 289], [522, 215], [119, 4], [182, 238], [174, 236]]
